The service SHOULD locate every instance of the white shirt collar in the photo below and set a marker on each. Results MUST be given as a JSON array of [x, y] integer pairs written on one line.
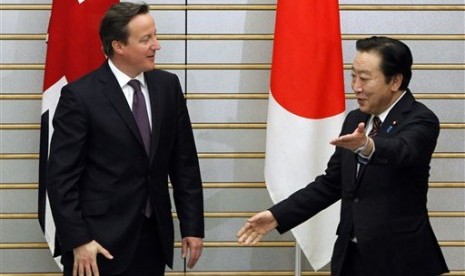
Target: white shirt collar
[[384, 114], [122, 78]]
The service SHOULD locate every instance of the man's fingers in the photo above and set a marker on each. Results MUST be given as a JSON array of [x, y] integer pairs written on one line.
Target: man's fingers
[[254, 238], [75, 269], [184, 248], [88, 270], [257, 239], [256, 227], [243, 237], [95, 269], [251, 238], [194, 257], [243, 230], [193, 248], [105, 253], [80, 270]]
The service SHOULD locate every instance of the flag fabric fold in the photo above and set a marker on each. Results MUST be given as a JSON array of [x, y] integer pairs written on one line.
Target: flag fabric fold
[[73, 49], [305, 111]]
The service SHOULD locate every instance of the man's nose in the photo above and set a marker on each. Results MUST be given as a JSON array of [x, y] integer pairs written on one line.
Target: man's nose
[[155, 45], [356, 86]]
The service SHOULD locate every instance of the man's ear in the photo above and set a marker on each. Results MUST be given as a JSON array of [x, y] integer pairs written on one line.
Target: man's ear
[[396, 82], [117, 46]]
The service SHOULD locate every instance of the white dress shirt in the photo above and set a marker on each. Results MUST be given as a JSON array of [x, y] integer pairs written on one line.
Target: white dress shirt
[[128, 92]]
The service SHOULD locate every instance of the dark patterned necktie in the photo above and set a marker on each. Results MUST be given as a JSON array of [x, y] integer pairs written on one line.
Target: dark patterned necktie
[[139, 110], [376, 125]]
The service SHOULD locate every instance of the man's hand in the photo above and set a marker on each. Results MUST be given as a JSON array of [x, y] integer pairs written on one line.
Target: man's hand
[[256, 227], [194, 246], [85, 259], [352, 141]]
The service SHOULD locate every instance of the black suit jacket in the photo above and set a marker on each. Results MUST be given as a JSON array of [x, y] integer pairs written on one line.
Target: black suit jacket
[[385, 205], [99, 174]]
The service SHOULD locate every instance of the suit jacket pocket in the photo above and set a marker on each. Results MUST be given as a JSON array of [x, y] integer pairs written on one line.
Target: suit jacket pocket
[[410, 224], [95, 207]]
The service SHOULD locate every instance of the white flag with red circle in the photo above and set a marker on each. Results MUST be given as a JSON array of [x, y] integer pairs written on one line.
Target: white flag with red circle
[[305, 111]]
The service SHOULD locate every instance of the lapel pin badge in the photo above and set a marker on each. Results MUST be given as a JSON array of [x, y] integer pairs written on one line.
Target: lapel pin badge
[[394, 123]]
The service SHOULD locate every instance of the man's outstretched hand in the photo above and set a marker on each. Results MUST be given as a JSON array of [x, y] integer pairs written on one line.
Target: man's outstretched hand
[[256, 227]]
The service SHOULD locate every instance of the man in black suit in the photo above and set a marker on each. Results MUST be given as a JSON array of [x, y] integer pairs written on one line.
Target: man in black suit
[[108, 173], [379, 170]]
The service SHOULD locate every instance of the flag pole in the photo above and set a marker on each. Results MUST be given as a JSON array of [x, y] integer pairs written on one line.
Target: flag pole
[[298, 260]]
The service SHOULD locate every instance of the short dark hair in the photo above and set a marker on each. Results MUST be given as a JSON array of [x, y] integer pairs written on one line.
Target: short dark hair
[[396, 57], [114, 25]]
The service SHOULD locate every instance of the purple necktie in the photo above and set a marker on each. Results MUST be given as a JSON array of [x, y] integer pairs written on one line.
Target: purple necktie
[[139, 110]]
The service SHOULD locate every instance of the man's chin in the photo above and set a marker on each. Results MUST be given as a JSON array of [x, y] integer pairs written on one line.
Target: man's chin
[[150, 66], [363, 109]]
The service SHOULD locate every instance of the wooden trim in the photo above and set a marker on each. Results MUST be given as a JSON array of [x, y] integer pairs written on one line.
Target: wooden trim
[[207, 244], [262, 7], [226, 215], [244, 96], [270, 37], [227, 185], [226, 273], [232, 66], [36, 126], [220, 155]]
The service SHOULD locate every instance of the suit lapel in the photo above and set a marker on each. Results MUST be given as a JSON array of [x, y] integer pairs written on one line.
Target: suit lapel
[[114, 94], [157, 111], [389, 125], [396, 115]]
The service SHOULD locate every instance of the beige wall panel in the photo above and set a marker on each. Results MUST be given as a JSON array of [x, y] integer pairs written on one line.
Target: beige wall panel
[[448, 111], [227, 140], [448, 169], [27, 260], [13, 81], [230, 81], [224, 111], [19, 171], [18, 201], [21, 230], [429, 81], [232, 170], [19, 141], [226, 51], [235, 22], [401, 22], [20, 111], [217, 139]]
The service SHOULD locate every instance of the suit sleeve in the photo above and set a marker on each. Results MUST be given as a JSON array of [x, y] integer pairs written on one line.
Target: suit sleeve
[[185, 174], [65, 165]]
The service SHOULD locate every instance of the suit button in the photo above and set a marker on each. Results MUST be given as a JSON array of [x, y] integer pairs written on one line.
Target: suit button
[[356, 200]]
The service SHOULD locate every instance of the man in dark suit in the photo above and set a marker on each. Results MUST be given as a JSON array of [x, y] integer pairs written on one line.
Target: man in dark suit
[[379, 170], [108, 169]]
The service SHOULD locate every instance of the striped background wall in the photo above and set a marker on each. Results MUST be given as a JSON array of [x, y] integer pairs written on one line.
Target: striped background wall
[[221, 50]]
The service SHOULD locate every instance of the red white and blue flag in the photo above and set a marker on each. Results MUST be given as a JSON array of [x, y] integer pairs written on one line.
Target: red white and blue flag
[[73, 49], [305, 111]]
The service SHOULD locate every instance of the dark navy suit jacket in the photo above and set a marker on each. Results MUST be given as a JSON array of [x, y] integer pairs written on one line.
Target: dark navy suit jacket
[[384, 207], [99, 174]]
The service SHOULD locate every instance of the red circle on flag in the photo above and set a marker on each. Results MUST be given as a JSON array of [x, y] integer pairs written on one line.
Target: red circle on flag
[[307, 68]]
